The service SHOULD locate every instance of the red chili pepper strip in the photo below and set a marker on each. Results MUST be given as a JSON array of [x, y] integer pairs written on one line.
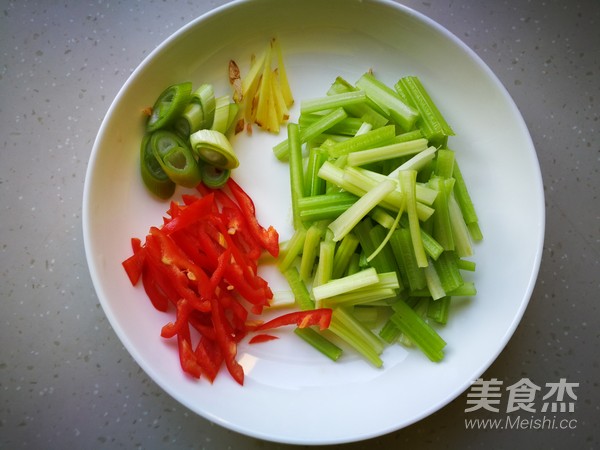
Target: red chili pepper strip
[[187, 357], [226, 343], [269, 238], [160, 300], [209, 357], [183, 312], [302, 319], [190, 214], [259, 338]]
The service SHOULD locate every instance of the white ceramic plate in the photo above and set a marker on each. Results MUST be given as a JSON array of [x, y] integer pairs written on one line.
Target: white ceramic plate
[[292, 394]]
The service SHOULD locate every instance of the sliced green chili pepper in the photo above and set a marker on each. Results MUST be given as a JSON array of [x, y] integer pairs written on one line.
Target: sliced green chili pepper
[[213, 147], [154, 177], [214, 177], [175, 158], [169, 106]]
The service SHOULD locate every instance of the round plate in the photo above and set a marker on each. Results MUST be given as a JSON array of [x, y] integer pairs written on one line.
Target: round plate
[[293, 394]]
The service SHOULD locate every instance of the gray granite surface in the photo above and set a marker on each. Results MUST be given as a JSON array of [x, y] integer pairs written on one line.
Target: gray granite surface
[[65, 379]]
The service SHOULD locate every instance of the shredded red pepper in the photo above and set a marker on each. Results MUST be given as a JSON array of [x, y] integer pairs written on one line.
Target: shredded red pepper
[[203, 264]]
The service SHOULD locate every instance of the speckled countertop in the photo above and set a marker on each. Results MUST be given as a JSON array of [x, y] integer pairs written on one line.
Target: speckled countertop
[[65, 379]]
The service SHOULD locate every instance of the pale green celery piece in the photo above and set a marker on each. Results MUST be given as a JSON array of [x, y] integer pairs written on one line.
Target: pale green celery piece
[[312, 240], [431, 121], [408, 180], [343, 255], [325, 206], [324, 268], [282, 299], [340, 100], [309, 133], [442, 227], [342, 285], [388, 236], [347, 127], [354, 264], [364, 128], [466, 204], [319, 342], [374, 138], [434, 285], [293, 249], [460, 231], [447, 269], [356, 335], [296, 171], [359, 297], [467, 289], [464, 264], [389, 101], [362, 157], [381, 216], [444, 163], [349, 218], [439, 310], [402, 248], [368, 315], [298, 287], [417, 162], [425, 194], [313, 185], [418, 331], [369, 112]]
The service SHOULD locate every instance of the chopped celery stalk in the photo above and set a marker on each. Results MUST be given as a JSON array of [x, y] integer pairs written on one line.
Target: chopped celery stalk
[[408, 179], [350, 126], [313, 185], [467, 265], [296, 170], [213, 147], [359, 297], [320, 126], [442, 227], [460, 231], [381, 216], [466, 204], [293, 249], [349, 218], [418, 331], [389, 332], [431, 122], [325, 206], [342, 285], [389, 101], [385, 240], [299, 289], [311, 244], [282, 299], [439, 310], [324, 268], [385, 255], [357, 336], [467, 289], [402, 248], [447, 269], [444, 163], [319, 342], [434, 284], [395, 150], [374, 138], [343, 255], [417, 162], [425, 194], [333, 101], [368, 112]]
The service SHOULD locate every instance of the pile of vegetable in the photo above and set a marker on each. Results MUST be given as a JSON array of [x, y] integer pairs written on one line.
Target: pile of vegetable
[[384, 223], [383, 220]]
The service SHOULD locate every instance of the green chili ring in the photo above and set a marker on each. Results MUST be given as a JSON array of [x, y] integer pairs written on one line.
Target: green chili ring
[[213, 177], [169, 106], [213, 147], [154, 177], [180, 166]]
